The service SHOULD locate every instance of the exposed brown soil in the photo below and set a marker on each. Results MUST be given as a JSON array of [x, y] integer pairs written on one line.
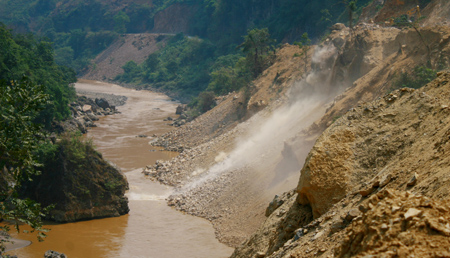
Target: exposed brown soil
[[397, 142], [399, 224], [234, 202], [376, 57], [129, 47]]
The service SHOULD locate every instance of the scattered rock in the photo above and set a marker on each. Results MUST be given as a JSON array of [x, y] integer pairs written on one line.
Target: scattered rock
[[337, 26], [367, 191], [385, 180], [180, 109], [86, 108], [353, 213], [413, 180], [412, 212], [54, 254], [102, 103], [84, 112], [273, 205]]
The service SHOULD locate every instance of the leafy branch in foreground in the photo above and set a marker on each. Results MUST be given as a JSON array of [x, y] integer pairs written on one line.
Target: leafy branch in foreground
[[20, 103]]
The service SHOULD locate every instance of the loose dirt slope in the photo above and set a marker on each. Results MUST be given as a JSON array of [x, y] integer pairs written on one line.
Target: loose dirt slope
[[397, 142], [129, 47], [235, 201]]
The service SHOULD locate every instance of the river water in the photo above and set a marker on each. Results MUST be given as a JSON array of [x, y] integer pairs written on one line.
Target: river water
[[151, 229]]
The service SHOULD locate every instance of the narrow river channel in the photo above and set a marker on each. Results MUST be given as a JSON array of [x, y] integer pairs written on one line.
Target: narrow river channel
[[151, 229]]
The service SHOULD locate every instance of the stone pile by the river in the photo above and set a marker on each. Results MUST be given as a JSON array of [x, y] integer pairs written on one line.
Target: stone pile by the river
[[54, 254], [85, 111], [183, 116]]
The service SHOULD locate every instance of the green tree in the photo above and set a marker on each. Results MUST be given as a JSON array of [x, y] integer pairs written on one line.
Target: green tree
[[120, 22], [206, 101], [305, 45], [20, 103], [257, 44], [418, 77], [223, 81], [351, 5], [23, 54]]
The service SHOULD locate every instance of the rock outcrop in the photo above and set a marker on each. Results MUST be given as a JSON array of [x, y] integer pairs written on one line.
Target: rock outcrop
[[398, 224], [85, 111], [54, 254], [79, 182], [377, 139], [374, 57]]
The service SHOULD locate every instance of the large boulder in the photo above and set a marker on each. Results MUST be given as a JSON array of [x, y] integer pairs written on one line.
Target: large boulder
[[324, 177], [103, 103], [54, 254], [79, 182], [389, 142]]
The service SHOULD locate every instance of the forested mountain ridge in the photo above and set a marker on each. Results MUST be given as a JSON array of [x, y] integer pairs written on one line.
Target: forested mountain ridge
[[214, 19], [82, 29]]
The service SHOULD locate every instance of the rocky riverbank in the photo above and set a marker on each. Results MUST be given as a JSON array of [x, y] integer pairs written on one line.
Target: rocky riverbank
[[113, 100], [87, 109]]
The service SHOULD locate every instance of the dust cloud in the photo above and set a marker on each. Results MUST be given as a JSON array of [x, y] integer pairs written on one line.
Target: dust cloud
[[270, 144]]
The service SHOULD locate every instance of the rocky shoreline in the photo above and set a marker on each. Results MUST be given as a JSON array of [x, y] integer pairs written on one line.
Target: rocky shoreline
[[113, 100], [87, 109]]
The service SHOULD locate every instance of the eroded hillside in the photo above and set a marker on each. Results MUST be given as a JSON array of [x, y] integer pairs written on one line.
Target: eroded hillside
[[229, 171], [129, 47], [352, 175]]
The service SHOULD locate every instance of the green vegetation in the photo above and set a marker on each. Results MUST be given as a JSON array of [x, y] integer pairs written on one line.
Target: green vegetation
[[74, 177], [304, 45], [257, 44], [25, 55], [20, 104], [189, 66], [181, 68], [420, 76], [34, 91], [82, 29]]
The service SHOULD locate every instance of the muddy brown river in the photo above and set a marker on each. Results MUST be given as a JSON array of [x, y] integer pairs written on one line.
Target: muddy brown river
[[151, 229]]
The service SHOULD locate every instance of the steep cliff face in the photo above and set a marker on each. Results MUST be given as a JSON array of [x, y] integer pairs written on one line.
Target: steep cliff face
[[374, 57], [80, 183]]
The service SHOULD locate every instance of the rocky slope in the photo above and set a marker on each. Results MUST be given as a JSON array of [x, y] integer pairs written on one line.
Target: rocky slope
[[226, 156], [395, 142], [212, 138], [377, 56]]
